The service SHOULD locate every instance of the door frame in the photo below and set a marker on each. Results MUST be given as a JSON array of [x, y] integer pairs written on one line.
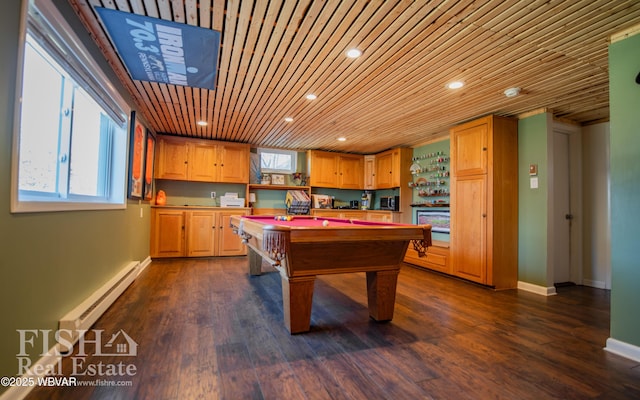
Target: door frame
[[575, 194]]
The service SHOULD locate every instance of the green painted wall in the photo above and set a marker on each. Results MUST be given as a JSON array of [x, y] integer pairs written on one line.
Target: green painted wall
[[624, 65], [51, 261], [532, 203], [180, 193]]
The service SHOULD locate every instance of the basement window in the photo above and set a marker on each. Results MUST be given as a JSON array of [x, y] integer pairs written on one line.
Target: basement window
[[278, 161], [70, 131]]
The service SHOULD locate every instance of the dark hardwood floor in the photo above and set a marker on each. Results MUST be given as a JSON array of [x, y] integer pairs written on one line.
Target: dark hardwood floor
[[207, 330]]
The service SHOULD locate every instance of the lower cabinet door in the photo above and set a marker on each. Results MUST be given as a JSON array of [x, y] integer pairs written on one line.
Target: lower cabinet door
[[230, 244], [201, 235], [167, 233]]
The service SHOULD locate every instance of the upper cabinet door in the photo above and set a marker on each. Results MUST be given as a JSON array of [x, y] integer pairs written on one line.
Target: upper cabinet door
[[470, 148], [351, 172], [202, 159], [384, 170], [171, 160], [369, 172], [323, 169], [233, 163]]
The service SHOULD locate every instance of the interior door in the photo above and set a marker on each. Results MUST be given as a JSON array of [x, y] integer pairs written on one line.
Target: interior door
[[561, 209]]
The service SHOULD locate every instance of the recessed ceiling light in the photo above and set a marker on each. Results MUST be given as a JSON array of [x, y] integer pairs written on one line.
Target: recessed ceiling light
[[202, 123], [311, 96], [455, 85], [342, 139], [353, 53], [288, 119]]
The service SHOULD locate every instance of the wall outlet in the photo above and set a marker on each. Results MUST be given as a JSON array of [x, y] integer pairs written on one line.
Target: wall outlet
[[213, 195]]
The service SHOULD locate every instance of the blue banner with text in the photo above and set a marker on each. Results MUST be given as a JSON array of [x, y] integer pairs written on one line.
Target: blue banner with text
[[157, 50]]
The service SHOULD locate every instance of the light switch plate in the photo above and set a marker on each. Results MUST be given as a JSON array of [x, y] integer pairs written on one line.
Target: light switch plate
[[533, 182]]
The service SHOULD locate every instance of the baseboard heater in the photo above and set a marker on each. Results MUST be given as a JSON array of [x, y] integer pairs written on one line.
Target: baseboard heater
[[87, 313]]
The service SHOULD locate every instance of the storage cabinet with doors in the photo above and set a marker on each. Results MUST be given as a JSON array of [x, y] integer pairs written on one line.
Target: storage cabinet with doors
[[391, 167], [484, 201], [194, 232], [335, 170], [202, 160]]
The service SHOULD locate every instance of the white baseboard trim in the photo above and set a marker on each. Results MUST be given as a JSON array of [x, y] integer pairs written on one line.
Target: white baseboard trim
[[623, 349], [595, 284], [143, 264], [541, 290]]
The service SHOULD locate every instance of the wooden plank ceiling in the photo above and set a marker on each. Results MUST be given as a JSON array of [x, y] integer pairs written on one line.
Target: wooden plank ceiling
[[274, 52]]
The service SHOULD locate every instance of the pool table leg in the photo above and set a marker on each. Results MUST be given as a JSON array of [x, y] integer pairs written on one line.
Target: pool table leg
[[297, 296], [381, 294], [255, 262]]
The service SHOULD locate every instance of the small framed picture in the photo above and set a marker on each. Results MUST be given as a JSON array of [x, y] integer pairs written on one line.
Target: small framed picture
[[277, 179]]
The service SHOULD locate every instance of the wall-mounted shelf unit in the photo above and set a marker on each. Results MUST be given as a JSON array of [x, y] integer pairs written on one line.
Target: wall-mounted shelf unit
[[430, 173]]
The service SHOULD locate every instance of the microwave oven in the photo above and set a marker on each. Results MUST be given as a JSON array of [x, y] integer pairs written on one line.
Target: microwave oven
[[390, 203]]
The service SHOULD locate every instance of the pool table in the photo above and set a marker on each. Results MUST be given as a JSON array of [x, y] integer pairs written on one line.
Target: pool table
[[307, 246]]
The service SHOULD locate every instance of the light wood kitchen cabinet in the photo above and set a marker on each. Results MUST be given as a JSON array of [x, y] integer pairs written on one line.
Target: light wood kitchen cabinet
[[322, 168], [167, 233], [171, 159], [484, 201], [392, 168], [200, 232], [202, 160], [229, 244], [335, 170], [385, 171], [369, 172], [350, 171], [233, 163]]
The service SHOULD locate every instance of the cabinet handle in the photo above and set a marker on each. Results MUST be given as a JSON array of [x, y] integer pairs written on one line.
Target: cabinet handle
[[484, 215], [484, 149]]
